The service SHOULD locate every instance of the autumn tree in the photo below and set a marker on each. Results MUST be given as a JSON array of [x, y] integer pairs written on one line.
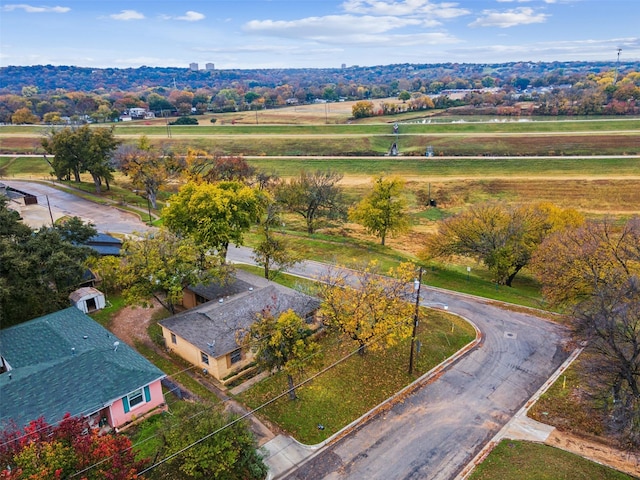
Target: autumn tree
[[213, 444], [362, 109], [608, 324], [382, 210], [200, 165], [214, 215], [148, 169], [82, 149], [24, 116], [161, 265], [572, 264], [273, 252], [283, 344], [501, 237], [313, 195], [366, 306], [71, 448]]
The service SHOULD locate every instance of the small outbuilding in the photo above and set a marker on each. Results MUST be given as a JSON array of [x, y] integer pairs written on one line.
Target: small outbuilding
[[87, 299]]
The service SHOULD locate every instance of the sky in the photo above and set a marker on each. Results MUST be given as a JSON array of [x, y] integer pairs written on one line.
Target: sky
[[246, 34]]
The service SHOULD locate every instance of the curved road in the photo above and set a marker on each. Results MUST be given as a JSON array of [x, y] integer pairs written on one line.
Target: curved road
[[438, 429]]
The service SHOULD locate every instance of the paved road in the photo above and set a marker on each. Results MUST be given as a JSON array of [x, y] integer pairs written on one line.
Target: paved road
[[438, 429], [107, 219]]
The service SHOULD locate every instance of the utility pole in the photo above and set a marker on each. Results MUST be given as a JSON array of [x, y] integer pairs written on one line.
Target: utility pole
[[615, 76], [416, 285]]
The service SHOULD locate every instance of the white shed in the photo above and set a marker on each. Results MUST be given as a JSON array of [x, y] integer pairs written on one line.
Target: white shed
[[87, 299]]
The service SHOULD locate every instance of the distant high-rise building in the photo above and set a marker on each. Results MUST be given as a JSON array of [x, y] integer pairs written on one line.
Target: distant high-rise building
[[344, 65], [193, 67], [209, 67]]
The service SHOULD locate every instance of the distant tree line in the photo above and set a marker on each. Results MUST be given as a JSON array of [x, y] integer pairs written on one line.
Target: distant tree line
[[102, 95]]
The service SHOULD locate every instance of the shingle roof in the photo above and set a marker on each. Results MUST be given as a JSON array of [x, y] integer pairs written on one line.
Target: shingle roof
[[218, 322], [105, 244], [66, 362]]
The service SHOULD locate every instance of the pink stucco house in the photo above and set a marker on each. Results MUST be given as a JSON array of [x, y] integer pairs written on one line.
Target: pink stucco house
[[65, 362]]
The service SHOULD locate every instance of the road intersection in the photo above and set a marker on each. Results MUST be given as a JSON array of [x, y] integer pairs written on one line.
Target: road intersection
[[440, 427]]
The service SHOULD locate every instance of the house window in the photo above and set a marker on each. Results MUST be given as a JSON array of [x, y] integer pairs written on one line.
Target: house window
[[135, 398], [236, 356], [204, 357], [173, 338]]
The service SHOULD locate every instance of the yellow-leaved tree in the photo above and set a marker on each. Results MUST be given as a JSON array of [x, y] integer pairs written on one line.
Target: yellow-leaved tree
[[367, 306]]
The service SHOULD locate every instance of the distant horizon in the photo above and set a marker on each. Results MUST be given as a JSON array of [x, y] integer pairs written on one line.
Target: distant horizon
[[315, 34], [201, 69]]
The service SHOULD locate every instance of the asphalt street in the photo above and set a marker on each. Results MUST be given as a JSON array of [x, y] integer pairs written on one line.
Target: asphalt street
[[107, 219], [440, 428], [437, 430]]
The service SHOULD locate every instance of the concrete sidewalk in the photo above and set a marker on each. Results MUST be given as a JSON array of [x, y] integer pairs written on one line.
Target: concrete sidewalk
[[283, 454]]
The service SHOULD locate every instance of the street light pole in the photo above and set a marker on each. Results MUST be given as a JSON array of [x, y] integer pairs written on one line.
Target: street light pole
[[417, 284]]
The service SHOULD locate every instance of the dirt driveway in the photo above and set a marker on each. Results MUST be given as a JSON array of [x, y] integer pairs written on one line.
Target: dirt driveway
[[131, 323]]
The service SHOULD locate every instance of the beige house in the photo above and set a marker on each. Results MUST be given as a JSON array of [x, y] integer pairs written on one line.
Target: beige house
[[207, 334]]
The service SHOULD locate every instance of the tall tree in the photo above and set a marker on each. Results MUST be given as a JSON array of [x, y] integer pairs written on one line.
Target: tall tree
[[82, 149], [283, 344], [220, 446], [572, 264], [313, 195], [382, 211], [214, 215], [149, 170], [273, 252], [161, 265], [366, 306], [36, 265], [502, 237], [608, 323]]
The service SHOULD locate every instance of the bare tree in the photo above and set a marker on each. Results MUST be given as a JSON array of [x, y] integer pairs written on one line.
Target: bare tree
[[609, 324]]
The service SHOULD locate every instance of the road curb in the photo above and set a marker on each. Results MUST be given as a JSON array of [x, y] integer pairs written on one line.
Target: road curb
[[486, 450], [311, 451]]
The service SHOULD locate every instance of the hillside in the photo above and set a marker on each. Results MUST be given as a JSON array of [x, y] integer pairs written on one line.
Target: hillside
[[49, 78]]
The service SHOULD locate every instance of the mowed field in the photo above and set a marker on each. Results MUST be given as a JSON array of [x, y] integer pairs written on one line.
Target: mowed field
[[591, 164]]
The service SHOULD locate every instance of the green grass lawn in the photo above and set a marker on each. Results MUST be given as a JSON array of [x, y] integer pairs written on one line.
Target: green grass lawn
[[382, 126], [357, 384], [513, 459]]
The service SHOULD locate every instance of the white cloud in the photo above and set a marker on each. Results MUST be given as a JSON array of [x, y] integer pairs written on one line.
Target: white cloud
[[509, 18], [32, 9], [191, 16], [127, 15], [330, 25], [404, 8]]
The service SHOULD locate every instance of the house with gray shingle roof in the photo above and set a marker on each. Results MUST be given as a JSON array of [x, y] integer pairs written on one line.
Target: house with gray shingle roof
[[207, 335], [65, 362]]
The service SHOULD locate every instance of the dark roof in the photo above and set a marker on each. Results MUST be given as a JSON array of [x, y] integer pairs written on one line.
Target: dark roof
[[66, 362], [217, 322], [105, 244], [215, 291]]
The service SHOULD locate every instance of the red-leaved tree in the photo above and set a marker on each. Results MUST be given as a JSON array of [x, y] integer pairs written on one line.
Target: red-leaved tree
[[70, 449]]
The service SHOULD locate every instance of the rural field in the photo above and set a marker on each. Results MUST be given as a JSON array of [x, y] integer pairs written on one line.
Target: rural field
[[589, 165]]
